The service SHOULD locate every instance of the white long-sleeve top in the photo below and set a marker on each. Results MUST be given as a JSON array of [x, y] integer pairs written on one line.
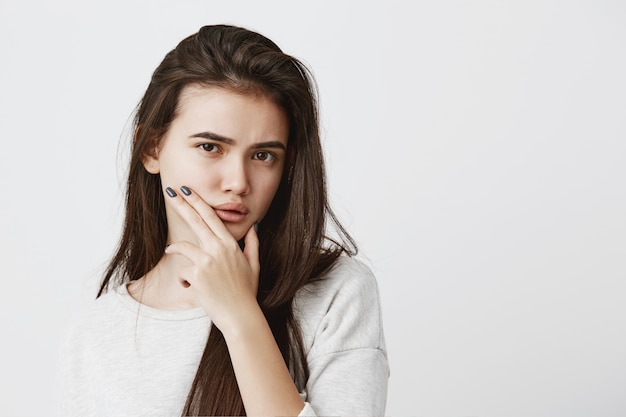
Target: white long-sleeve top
[[122, 358]]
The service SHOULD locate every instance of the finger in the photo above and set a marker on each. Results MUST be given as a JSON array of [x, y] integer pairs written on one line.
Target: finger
[[251, 250], [189, 214], [206, 212], [188, 250]]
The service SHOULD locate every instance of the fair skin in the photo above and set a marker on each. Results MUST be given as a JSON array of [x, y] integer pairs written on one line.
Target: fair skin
[[223, 156]]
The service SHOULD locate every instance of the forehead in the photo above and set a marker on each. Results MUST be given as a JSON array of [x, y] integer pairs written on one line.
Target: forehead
[[197, 93], [230, 113]]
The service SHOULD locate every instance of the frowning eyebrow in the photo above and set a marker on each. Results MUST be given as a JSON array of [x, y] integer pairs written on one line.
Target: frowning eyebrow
[[229, 141]]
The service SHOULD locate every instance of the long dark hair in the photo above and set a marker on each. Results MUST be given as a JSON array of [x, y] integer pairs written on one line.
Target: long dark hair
[[294, 246]]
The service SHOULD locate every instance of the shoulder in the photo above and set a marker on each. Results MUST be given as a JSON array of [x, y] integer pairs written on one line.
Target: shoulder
[[84, 335], [348, 278], [341, 311], [101, 309], [93, 320]]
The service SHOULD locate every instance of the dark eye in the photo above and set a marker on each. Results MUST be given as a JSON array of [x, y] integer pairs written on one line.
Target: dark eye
[[264, 156], [209, 147]]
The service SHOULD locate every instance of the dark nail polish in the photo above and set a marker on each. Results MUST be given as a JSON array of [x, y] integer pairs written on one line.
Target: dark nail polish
[[170, 192], [185, 190]]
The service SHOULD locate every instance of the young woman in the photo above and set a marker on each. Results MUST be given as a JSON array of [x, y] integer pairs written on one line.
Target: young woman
[[225, 295]]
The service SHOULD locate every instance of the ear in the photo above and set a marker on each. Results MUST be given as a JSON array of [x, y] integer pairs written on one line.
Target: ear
[[151, 161], [150, 154]]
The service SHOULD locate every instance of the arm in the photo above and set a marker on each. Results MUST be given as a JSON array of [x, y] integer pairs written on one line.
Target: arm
[[225, 281], [342, 328], [264, 381]]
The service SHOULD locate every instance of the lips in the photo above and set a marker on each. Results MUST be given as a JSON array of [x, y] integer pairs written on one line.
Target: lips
[[231, 212]]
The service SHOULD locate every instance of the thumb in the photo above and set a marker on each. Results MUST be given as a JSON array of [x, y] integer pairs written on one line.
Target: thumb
[[251, 250]]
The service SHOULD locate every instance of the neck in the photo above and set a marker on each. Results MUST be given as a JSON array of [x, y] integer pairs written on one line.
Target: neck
[[161, 288]]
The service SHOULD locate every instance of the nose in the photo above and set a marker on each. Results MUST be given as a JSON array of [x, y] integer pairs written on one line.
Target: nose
[[235, 177]]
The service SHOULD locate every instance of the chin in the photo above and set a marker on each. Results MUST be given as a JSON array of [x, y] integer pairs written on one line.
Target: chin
[[237, 231]]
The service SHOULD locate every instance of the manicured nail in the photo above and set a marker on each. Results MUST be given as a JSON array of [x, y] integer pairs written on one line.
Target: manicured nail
[[170, 192], [256, 227], [185, 190]]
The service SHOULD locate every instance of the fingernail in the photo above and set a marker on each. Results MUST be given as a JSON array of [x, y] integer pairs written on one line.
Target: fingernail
[[256, 227], [170, 192], [185, 190]]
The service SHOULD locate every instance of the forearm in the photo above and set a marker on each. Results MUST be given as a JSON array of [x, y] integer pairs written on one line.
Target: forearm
[[266, 386]]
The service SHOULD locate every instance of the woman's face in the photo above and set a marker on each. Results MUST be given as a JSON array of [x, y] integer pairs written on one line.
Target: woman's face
[[229, 149]]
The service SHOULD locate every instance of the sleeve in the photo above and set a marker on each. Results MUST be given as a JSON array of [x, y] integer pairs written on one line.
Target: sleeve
[[346, 353]]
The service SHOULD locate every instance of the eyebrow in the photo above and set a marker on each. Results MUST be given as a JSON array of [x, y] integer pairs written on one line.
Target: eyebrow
[[229, 141]]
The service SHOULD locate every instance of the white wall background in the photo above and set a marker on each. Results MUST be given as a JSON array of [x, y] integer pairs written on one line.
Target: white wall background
[[476, 150]]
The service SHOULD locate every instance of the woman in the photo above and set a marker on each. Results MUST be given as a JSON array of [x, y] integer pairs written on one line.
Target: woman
[[225, 296]]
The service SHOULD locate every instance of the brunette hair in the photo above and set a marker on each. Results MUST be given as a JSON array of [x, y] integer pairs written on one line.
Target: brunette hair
[[295, 248]]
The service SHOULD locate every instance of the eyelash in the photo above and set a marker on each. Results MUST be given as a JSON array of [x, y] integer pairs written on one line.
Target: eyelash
[[270, 156]]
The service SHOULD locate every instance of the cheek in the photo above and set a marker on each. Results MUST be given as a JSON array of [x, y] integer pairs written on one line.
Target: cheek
[[267, 190], [196, 177]]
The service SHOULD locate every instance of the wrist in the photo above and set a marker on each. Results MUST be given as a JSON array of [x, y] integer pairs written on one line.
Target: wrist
[[247, 320]]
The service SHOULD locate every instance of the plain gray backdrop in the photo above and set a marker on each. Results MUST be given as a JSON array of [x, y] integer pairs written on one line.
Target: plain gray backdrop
[[476, 150]]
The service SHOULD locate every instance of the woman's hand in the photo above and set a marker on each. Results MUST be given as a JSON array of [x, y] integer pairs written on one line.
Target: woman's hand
[[223, 277]]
